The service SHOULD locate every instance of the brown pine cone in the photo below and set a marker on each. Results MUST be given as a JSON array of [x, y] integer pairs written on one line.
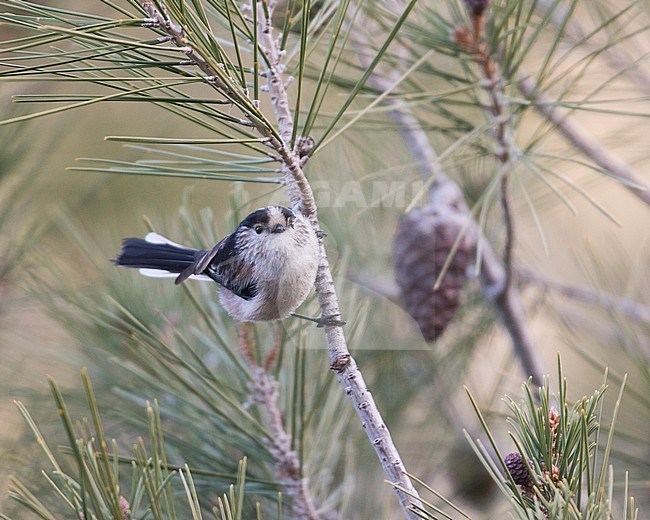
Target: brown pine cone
[[425, 238]]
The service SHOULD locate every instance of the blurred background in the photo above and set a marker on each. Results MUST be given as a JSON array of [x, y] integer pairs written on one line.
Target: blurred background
[[59, 228]]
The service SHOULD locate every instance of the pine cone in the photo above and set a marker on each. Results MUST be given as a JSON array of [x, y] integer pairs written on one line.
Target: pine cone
[[425, 238], [518, 469]]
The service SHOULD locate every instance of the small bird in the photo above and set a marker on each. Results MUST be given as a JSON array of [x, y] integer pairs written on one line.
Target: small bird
[[266, 267]]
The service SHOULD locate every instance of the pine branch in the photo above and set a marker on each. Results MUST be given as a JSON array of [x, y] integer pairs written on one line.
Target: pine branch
[[497, 115], [185, 29], [576, 32], [609, 302], [560, 466], [264, 392], [301, 195], [583, 140], [507, 299], [446, 195], [499, 121], [298, 188], [160, 19], [341, 362]]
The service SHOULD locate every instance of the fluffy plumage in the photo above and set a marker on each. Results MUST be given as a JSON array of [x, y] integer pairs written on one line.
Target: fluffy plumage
[[266, 267]]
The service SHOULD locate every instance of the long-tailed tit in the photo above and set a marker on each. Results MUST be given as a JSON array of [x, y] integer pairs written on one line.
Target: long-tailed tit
[[266, 267]]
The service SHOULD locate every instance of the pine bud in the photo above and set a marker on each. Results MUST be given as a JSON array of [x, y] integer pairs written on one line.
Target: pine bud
[[125, 507], [477, 7], [518, 469], [425, 239], [553, 419], [463, 37]]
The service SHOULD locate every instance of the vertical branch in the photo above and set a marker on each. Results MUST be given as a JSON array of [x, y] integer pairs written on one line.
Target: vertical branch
[[507, 298], [510, 233], [294, 178], [264, 392], [446, 195], [498, 117], [341, 362], [275, 69]]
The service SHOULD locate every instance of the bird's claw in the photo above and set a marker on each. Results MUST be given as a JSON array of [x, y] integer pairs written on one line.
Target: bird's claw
[[323, 321]]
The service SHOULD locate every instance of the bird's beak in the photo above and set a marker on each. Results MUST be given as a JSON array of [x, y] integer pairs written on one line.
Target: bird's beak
[[279, 228]]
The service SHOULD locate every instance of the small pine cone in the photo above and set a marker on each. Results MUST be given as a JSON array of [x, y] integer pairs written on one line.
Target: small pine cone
[[126, 508], [477, 7], [425, 238], [518, 469]]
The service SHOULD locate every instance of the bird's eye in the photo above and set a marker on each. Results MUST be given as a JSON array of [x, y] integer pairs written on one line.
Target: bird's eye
[[258, 229]]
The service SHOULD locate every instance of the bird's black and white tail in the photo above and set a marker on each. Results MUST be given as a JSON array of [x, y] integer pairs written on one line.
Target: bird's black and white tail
[[156, 256]]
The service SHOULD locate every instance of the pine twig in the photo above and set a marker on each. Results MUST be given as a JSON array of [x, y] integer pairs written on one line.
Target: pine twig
[[576, 32], [297, 185], [507, 299], [628, 308], [471, 41], [159, 18], [583, 140], [264, 393], [497, 111]]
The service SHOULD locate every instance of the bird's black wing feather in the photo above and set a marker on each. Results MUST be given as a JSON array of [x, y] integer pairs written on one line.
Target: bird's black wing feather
[[225, 264]]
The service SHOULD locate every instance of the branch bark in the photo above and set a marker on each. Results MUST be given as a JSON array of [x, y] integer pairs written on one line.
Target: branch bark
[[507, 299], [497, 114]]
